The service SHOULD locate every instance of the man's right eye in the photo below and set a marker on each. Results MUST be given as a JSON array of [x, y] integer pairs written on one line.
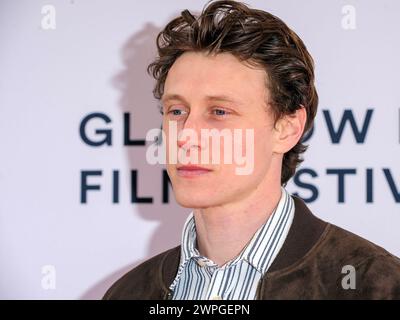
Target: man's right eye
[[176, 112]]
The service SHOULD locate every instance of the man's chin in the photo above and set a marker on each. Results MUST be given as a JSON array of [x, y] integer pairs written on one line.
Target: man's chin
[[195, 201]]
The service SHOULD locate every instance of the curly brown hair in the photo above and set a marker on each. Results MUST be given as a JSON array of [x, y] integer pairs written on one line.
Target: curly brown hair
[[255, 37]]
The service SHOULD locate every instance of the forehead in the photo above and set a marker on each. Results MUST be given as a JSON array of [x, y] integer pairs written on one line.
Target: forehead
[[197, 74]]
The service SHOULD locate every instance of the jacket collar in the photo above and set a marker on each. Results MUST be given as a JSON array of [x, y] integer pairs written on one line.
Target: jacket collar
[[305, 231]]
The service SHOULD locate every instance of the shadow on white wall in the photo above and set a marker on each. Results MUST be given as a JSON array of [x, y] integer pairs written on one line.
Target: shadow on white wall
[[136, 86]]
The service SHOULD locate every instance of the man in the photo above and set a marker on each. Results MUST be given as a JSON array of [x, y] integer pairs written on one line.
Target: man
[[239, 68]]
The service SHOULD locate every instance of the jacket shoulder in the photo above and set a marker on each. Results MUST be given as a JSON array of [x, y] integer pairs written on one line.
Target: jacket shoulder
[[340, 265], [145, 281], [351, 247], [376, 271]]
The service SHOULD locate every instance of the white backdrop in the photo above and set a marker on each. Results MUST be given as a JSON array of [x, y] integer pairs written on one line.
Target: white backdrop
[[52, 245]]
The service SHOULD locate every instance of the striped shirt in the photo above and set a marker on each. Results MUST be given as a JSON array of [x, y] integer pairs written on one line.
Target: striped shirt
[[199, 278]]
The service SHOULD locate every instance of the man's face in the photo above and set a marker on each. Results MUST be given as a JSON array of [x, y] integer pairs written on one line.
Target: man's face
[[216, 92]]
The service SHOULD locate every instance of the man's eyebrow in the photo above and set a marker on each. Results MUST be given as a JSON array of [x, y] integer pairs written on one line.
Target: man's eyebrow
[[222, 98], [225, 98], [172, 96]]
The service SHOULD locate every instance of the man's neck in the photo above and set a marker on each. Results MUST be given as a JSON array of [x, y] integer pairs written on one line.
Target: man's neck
[[223, 232]]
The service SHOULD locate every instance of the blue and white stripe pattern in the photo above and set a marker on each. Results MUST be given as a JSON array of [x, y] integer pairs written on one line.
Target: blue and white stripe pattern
[[199, 278]]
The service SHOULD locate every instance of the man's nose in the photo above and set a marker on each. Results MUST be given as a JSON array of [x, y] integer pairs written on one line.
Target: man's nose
[[190, 132], [186, 143]]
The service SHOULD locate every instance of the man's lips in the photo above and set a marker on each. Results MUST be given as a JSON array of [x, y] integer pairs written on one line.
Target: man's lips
[[192, 170]]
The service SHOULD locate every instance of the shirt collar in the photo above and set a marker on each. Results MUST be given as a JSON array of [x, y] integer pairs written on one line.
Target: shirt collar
[[263, 246]]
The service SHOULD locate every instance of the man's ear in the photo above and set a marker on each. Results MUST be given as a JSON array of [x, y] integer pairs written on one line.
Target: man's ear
[[288, 130]]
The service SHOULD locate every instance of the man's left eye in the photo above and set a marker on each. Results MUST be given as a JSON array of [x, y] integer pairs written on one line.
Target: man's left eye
[[220, 112]]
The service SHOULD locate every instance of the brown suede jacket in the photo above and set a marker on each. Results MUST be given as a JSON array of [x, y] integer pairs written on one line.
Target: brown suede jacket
[[310, 265]]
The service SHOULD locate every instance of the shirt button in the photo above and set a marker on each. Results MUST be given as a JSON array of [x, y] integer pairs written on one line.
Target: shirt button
[[216, 298], [201, 263]]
